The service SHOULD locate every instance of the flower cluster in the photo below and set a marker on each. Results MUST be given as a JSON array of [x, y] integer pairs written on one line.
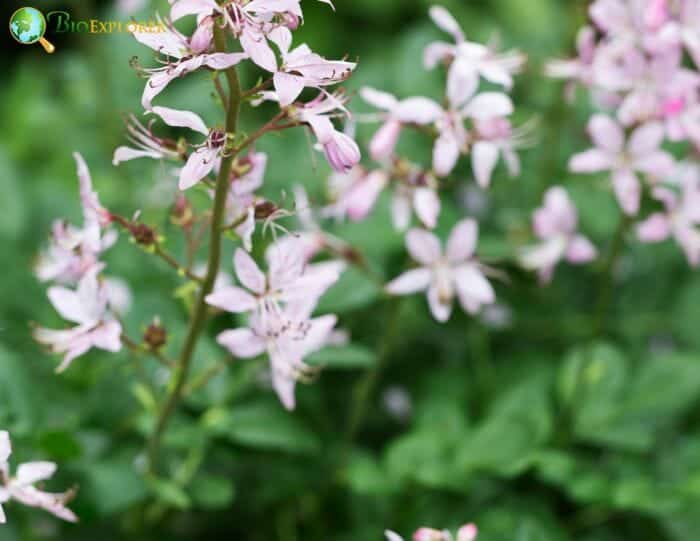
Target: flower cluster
[[80, 294], [21, 487], [471, 122], [640, 61], [468, 532], [279, 304]]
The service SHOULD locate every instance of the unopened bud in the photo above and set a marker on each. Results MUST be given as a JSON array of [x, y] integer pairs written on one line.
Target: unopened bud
[[143, 235], [264, 210], [155, 335]]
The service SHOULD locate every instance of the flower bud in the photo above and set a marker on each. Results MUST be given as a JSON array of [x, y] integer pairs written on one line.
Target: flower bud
[[155, 336], [181, 213], [264, 210], [143, 235]]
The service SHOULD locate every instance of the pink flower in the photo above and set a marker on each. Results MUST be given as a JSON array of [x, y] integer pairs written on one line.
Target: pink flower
[[468, 532], [456, 272], [302, 68], [555, 224], [453, 138], [641, 153], [88, 307], [681, 217], [289, 281], [340, 149], [287, 338], [496, 137], [355, 193], [73, 252], [469, 60], [579, 69], [415, 110], [429, 534], [180, 59], [146, 143], [21, 486]]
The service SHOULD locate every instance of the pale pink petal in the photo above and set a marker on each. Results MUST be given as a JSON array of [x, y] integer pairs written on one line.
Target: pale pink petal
[[401, 210], [580, 250], [445, 21], [199, 165], [378, 99], [655, 228], [658, 164], [441, 310], [427, 205], [646, 139], [484, 159], [462, 82], [222, 61], [286, 262], [606, 134], [392, 536], [5, 446], [155, 85], [361, 199], [32, 472], [181, 119], [627, 190], [243, 343], [125, 154], [423, 246], [591, 161], [418, 111], [232, 299], [108, 336], [445, 154], [68, 304], [410, 282], [288, 87], [436, 52], [182, 8], [255, 44], [689, 239], [384, 140], [473, 288], [318, 333], [489, 105], [77, 349], [248, 272], [462, 241]]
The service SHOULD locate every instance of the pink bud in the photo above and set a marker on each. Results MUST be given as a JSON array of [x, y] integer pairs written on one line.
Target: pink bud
[[384, 141], [341, 152], [203, 36]]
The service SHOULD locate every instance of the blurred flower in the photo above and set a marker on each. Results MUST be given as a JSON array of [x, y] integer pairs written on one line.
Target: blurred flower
[[21, 486], [398, 403], [681, 215], [641, 153], [416, 110], [87, 306], [469, 60], [468, 532], [556, 224], [443, 275]]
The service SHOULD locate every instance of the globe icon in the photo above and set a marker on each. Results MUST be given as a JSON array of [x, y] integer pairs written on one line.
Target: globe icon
[[27, 25]]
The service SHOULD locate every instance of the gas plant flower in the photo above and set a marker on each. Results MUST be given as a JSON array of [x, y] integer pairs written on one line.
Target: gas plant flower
[[289, 281], [20, 487], [287, 337], [200, 162], [493, 138], [302, 68], [179, 60], [443, 275], [453, 138], [415, 110], [145, 143], [469, 60], [555, 223], [681, 216], [341, 151], [72, 251], [624, 159], [88, 306], [468, 532], [579, 69]]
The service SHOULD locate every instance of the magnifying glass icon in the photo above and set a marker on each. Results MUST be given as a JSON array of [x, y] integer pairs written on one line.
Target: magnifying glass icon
[[28, 25]]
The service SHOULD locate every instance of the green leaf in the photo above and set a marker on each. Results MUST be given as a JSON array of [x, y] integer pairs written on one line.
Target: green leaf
[[344, 357], [113, 486], [17, 393], [212, 492], [170, 493], [263, 425], [353, 290]]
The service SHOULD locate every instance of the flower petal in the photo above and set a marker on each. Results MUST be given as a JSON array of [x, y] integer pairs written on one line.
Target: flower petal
[[462, 241], [199, 165], [181, 119], [590, 161], [580, 250], [484, 160], [232, 299], [410, 281], [243, 343], [627, 190], [248, 272], [423, 246], [606, 133]]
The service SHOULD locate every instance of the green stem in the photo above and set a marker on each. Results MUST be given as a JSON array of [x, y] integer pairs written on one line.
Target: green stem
[[199, 314], [606, 287], [365, 387]]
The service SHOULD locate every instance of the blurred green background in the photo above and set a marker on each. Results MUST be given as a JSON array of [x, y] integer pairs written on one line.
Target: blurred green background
[[540, 420]]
